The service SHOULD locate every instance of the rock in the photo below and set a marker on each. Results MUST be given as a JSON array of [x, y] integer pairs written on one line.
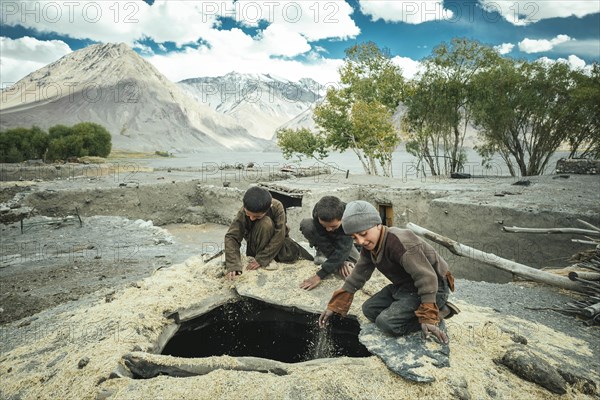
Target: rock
[[409, 356], [83, 362], [533, 368], [581, 383], [460, 388]]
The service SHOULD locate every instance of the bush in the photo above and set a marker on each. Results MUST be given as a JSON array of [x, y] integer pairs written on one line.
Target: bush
[[60, 143], [20, 144]]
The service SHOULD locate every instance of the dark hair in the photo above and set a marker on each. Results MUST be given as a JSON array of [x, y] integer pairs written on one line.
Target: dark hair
[[329, 208], [257, 199]]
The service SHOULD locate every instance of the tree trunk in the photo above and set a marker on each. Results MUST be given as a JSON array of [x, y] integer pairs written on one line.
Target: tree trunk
[[498, 262]]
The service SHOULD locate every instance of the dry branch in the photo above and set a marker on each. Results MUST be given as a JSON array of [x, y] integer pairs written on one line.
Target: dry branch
[[551, 230], [498, 262], [589, 225]]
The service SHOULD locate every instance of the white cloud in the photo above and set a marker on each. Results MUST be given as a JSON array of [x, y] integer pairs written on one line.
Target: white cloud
[[143, 48], [239, 52], [525, 12], [504, 48], [291, 26], [585, 47], [21, 56], [539, 45], [410, 67], [574, 62], [410, 12]]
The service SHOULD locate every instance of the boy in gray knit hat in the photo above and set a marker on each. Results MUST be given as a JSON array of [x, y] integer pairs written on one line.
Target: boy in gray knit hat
[[416, 299]]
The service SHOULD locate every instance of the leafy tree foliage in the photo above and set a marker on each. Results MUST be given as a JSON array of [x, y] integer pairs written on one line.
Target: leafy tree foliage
[[584, 135], [358, 115], [20, 144], [301, 142], [61, 142], [524, 111], [439, 108]]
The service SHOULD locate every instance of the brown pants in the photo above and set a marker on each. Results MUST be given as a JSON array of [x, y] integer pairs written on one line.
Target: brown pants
[[261, 234]]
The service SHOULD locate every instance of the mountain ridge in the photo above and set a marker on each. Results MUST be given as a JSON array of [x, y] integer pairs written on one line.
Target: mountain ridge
[[112, 85]]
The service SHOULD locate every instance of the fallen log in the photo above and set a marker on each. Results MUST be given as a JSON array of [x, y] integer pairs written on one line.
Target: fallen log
[[592, 310], [146, 365], [499, 262], [551, 230]]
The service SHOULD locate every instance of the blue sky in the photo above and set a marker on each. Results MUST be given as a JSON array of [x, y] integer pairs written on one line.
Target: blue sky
[[291, 39]]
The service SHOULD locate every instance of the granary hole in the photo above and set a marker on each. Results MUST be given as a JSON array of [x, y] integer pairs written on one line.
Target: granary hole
[[258, 329]]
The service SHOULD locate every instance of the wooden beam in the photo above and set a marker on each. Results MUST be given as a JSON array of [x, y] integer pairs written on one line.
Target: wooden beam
[[498, 262]]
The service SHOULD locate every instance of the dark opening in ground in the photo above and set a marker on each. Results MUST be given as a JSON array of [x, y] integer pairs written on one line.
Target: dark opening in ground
[[258, 329], [287, 199]]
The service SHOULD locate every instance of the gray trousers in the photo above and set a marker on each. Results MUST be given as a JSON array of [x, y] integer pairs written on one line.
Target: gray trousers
[[393, 308], [260, 236], [321, 242]]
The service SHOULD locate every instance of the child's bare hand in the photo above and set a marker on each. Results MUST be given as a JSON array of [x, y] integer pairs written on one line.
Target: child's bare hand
[[310, 283], [346, 269], [439, 334], [252, 265], [324, 318], [232, 275]]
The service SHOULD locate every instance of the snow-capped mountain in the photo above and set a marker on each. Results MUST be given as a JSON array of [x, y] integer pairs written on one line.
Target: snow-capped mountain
[[261, 103], [112, 85]]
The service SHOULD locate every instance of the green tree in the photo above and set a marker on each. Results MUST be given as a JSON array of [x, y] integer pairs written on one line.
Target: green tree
[[20, 144], [96, 139], [439, 109], [371, 89], [80, 140], [301, 142], [584, 134], [524, 111]]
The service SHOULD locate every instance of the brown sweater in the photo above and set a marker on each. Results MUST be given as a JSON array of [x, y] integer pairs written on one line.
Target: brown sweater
[[240, 229], [403, 258]]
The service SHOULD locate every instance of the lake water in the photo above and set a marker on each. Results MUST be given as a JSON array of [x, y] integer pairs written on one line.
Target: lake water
[[403, 164]]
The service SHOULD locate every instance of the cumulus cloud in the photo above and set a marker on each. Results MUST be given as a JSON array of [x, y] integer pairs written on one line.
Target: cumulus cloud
[[525, 12], [240, 53], [410, 67], [572, 61], [539, 45], [289, 29], [410, 12], [504, 48], [24, 55]]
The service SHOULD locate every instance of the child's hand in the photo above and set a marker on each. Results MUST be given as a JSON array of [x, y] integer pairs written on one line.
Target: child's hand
[[311, 283], [346, 269], [253, 265], [324, 318], [439, 334], [232, 275]]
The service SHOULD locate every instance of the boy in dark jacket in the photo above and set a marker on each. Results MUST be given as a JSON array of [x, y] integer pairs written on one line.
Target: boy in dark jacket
[[335, 251], [416, 299], [262, 223]]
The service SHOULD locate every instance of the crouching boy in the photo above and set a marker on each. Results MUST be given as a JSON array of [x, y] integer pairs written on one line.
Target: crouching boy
[[417, 298], [262, 223], [335, 251]]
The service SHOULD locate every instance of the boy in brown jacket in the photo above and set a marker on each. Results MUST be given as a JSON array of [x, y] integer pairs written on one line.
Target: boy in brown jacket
[[416, 299], [262, 223]]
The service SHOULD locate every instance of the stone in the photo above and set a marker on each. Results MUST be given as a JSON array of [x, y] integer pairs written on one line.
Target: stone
[[409, 356], [581, 383], [83, 362], [533, 368]]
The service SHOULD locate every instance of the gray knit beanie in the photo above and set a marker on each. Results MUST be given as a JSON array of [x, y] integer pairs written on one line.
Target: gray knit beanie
[[359, 216]]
